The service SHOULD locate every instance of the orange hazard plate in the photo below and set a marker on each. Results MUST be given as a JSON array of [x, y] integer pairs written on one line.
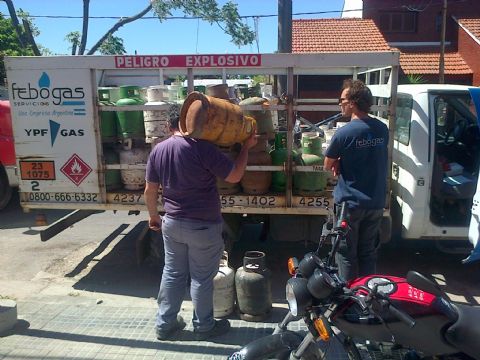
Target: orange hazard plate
[[37, 170]]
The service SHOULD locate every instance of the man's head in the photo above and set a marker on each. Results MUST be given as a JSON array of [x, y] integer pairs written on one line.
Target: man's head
[[356, 97], [173, 117]]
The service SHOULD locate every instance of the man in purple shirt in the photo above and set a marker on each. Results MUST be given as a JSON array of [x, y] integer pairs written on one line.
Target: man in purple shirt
[[187, 169]]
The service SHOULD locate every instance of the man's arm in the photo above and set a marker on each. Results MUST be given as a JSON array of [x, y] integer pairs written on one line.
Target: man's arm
[[332, 165], [241, 161], [151, 199]]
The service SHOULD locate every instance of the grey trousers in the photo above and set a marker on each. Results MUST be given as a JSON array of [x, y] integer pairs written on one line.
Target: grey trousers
[[192, 249], [357, 254]]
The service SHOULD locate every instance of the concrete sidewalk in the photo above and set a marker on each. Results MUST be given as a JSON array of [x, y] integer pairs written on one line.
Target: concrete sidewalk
[[79, 327]]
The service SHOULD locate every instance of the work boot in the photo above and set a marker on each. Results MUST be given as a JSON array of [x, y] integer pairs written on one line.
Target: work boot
[[220, 328], [167, 334]]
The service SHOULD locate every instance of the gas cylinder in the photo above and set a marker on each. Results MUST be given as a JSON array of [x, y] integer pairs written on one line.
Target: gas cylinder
[[279, 156], [253, 287], [263, 118], [216, 120], [156, 121], [133, 154], [112, 177], [224, 187], [130, 123], [108, 119], [257, 182], [218, 90], [310, 183], [223, 289]]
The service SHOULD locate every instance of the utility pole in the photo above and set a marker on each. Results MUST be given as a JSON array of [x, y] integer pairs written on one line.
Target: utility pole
[[441, 65], [284, 37]]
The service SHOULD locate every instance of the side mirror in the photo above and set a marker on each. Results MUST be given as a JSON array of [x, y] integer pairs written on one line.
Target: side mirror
[[421, 282]]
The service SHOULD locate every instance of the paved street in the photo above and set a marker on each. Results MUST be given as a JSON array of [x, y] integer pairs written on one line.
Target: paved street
[[83, 295]]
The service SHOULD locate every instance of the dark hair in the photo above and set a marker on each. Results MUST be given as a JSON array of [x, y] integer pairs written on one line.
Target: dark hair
[[359, 93], [173, 116]]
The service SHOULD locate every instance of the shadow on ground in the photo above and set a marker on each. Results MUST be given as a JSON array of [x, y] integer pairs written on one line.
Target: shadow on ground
[[12, 216]]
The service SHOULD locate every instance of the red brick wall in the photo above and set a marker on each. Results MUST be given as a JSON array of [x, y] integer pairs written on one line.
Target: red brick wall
[[426, 20], [469, 49]]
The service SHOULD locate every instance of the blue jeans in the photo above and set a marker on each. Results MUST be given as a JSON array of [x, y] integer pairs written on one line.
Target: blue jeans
[[357, 254], [192, 249]]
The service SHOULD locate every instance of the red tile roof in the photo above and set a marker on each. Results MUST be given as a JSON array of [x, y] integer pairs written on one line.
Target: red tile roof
[[427, 63], [472, 25], [336, 35]]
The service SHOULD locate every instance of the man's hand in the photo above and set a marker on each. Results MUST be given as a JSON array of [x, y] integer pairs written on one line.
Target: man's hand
[[251, 140], [336, 167], [155, 223]]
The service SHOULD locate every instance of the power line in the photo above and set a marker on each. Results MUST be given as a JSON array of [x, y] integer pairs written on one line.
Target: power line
[[432, 2]]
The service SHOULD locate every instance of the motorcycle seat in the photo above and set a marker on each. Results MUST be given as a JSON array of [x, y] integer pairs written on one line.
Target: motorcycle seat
[[465, 332]]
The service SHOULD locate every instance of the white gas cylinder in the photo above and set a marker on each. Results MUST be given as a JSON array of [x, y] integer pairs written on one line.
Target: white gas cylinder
[[223, 289], [156, 121], [130, 155]]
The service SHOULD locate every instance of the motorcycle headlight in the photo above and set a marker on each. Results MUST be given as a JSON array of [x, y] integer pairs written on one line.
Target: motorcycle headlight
[[320, 284], [298, 296], [307, 265]]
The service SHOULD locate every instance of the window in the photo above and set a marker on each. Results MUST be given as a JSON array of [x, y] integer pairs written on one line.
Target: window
[[403, 118], [398, 21]]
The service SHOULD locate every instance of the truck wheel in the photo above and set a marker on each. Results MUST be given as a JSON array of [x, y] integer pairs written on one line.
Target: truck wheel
[[5, 189]]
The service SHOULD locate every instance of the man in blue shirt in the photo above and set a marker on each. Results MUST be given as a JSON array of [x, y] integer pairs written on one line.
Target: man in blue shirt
[[358, 154]]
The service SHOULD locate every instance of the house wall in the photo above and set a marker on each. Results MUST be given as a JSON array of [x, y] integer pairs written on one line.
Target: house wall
[[469, 49], [428, 22]]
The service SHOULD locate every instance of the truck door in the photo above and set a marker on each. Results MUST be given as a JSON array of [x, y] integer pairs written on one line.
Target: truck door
[[474, 228], [456, 158]]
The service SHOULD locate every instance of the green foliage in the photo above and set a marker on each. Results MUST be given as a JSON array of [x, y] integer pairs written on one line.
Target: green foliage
[[9, 44], [73, 38], [24, 15], [415, 79], [227, 18], [112, 45]]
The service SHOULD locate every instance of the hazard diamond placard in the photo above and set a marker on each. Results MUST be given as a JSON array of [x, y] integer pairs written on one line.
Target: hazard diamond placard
[[76, 169]]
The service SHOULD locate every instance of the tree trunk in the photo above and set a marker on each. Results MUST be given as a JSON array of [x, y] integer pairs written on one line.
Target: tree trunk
[[30, 39], [118, 25], [15, 23], [83, 42]]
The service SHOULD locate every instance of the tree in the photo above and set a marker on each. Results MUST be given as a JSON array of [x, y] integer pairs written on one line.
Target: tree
[[226, 17], [112, 46], [10, 45]]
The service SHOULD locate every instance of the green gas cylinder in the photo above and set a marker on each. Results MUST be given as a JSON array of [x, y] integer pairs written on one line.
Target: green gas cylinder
[[130, 123], [310, 183], [279, 156], [112, 177], [108, 119]]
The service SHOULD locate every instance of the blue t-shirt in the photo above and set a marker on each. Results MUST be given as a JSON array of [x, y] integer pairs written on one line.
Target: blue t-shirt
[[362, 146], [187, 170]]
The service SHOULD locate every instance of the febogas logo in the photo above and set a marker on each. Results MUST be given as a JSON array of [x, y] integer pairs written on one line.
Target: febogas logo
[[370, 142], [44, 93]]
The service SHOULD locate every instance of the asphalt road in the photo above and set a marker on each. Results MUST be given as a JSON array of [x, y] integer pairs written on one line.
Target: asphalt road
[[100, 255]]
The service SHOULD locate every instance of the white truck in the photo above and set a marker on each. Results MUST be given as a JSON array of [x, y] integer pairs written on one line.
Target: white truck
[[62, 164]]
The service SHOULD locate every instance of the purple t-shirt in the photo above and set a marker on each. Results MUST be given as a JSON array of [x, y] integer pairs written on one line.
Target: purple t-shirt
[[187, 169]]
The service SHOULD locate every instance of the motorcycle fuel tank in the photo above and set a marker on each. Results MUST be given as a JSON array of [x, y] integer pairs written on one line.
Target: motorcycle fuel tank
[[427, 334]]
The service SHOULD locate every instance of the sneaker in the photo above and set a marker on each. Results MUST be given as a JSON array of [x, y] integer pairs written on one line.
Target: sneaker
[[167, 334], [220, 328]]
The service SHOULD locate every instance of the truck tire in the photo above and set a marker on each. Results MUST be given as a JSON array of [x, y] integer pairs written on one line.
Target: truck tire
[[5, 189]]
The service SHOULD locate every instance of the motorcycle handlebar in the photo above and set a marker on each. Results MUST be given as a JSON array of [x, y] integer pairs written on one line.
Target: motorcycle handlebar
[[402, 316]]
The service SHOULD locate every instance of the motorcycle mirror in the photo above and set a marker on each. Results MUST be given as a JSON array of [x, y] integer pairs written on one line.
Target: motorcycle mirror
[[423, 283]]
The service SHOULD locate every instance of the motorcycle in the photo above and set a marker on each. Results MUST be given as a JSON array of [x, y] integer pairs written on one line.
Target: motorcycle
[[385, 316]]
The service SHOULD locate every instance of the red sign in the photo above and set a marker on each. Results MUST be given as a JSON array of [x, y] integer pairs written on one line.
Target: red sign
[[76, 169], [186, 61]]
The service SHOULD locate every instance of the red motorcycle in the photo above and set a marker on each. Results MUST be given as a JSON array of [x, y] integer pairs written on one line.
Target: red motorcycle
[[384, 316]]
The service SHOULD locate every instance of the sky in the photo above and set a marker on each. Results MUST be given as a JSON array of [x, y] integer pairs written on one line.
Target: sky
[[150, 36]]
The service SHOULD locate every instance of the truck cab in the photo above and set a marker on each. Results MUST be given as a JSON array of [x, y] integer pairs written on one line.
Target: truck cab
[[435, 161], [8, 176]]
